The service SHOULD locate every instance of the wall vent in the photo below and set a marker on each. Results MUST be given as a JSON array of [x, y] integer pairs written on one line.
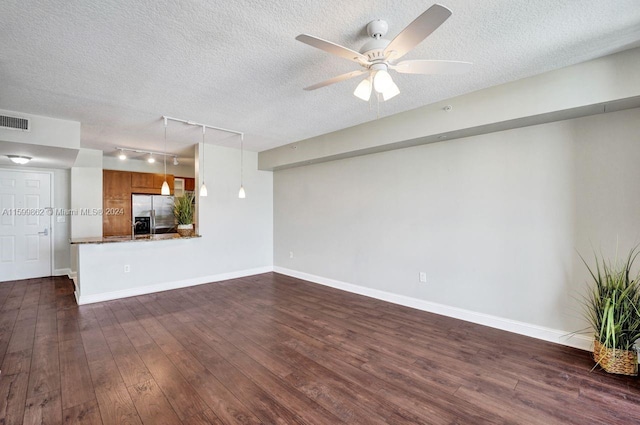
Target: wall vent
[[14, 123]]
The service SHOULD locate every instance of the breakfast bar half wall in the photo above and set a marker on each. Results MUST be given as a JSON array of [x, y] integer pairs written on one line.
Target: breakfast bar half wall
[[154, 264], [236, 240]]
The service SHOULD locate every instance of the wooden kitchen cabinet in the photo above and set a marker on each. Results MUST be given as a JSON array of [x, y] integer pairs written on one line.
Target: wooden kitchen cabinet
[[116, 184], [116, 203], [117, 188], [142, 180], [148, 183], [189, 183], [116, 217]]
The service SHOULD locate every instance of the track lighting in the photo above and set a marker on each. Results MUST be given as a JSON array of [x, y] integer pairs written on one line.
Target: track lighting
[[151, 158], [203, 187]]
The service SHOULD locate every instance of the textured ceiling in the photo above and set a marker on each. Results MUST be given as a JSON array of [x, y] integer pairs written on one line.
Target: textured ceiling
[[118, 65]]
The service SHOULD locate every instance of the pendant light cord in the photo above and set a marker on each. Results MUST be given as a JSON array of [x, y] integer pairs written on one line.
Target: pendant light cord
[[203, 131], [165, 149], [241, 157]]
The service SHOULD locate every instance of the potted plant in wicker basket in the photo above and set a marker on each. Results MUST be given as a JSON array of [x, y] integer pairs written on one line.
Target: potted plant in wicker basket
[[613, 309], [183, 212]]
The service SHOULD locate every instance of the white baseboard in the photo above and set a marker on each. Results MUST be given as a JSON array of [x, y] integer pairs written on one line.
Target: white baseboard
[[547, 334], [62, 272], [166, 286]]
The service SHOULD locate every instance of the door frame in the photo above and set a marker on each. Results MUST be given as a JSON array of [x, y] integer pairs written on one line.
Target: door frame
[[51, 192]]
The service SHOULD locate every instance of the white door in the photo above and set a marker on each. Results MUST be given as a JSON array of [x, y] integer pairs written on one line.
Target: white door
[[25, 225]]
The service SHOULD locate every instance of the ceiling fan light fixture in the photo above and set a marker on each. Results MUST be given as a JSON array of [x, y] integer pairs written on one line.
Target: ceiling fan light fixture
[[19, 159], [151, 159], [382, 81], [378, 55], [391, 91], [363, 91], [122, 155]]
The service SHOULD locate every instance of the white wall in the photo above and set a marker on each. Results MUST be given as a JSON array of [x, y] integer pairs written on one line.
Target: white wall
[[237, 238], [44, 131], [62, 226], [494, 220], [86, 193]]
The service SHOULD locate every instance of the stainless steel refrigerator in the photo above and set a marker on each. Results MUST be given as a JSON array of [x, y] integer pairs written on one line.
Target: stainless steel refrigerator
[[152, 214]]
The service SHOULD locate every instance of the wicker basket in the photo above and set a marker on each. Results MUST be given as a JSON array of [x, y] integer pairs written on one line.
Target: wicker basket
[[185, 232], [617, 361]]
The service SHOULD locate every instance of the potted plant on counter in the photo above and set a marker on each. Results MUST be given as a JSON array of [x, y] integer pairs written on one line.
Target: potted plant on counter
[[613, 309], [183, 212]]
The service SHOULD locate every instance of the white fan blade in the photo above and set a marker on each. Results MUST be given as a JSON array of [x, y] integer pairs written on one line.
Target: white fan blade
[[417, 31], [431, 67], [333, 48], [337, 79]]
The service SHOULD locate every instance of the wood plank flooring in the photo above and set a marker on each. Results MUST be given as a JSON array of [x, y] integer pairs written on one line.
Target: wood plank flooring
[[270, 349]]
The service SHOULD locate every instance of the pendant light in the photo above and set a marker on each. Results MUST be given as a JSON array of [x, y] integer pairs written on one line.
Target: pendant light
[[122, 155], [241, 193], [165, 186], [203, 188]]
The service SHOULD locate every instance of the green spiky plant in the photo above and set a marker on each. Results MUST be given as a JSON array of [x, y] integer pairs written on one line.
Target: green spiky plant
[[613, 305], [183, 209]]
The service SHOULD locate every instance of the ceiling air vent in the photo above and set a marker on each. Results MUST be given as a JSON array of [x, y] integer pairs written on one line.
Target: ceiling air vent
[[14, 123]]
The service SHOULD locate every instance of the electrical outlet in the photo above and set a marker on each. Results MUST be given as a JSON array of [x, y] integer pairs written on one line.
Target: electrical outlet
[[127, 268], [423, 277], [290, 254]]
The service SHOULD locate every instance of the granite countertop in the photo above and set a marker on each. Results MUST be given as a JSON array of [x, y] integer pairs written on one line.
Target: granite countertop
[[138, 238]]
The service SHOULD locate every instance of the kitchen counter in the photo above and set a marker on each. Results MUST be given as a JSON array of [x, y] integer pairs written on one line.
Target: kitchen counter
[[138, 238]]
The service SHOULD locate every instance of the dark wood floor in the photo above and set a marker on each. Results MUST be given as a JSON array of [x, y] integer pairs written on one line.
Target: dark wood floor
[[273, 349]]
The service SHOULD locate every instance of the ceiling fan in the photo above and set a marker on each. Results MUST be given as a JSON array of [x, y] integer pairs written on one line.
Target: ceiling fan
[[378, 56]]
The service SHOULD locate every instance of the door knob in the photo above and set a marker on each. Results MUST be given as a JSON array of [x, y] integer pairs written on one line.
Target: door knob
[[45, 233]]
